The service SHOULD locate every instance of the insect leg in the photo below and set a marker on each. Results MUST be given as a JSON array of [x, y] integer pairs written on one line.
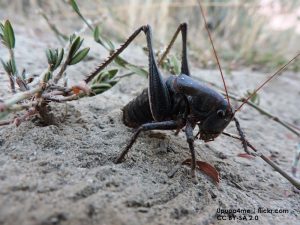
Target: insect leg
[[184, 63], [164, 125], [190, 139], [243, 138], [158, 93], [114, 55]]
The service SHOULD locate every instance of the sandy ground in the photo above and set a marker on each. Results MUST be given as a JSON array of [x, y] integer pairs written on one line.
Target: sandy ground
[[65, 174]]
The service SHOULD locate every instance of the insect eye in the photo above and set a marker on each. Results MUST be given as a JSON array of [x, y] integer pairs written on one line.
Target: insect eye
[[221, 113]]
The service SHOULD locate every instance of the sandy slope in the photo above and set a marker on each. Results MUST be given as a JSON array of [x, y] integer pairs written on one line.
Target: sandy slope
[[65, 174]]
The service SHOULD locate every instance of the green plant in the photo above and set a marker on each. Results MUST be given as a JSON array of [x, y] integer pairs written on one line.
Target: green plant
[[34, 94], [7, 38]]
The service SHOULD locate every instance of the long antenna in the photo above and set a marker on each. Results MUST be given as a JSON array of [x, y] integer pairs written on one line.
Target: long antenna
[[264, 83], [215, 52]]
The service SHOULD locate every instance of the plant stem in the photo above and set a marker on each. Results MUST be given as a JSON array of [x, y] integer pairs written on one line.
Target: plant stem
[[61, 71], [17, 98], [12, 83], [123, 75], [63, 99]]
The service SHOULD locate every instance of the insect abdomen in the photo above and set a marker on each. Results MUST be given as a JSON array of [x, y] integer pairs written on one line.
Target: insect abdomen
[[137, 111]]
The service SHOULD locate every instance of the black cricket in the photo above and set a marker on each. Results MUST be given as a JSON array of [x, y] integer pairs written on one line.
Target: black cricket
[[176, 103]]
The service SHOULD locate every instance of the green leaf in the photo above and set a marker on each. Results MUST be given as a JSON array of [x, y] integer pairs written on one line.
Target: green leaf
[[112, 73], [48, 55], [110, 45], [103, 41], [79, 56], [101, 85], [72, 37], [2, 28], [52, 56], [10, 67], [113, 82], [78, 45], [74, 43], [13, 66], [9, 34], [59, 58], [105, 76], [96, 34], [75, 46], [5, 66], [5, 40], [137, 70], [121, 62], [107, 44], [97, 91], [75, 6], [98, 78]]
